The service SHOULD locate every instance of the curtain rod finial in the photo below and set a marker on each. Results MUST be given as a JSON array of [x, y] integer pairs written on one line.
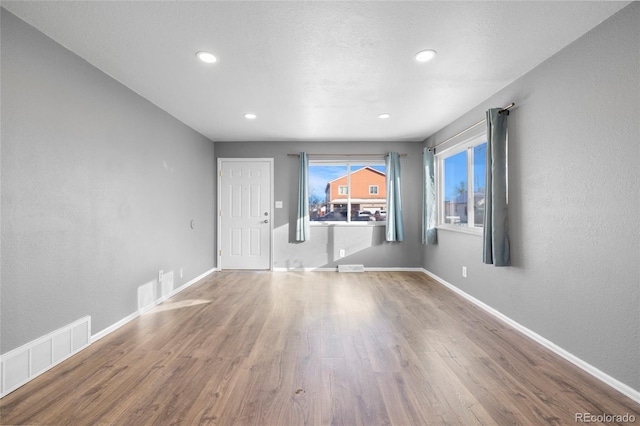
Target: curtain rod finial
[[507, 108]]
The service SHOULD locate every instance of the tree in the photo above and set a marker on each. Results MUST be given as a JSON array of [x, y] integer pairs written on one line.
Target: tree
[[315, 205]]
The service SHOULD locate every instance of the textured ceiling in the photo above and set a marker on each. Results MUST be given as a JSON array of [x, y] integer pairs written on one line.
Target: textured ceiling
[[314, 71]]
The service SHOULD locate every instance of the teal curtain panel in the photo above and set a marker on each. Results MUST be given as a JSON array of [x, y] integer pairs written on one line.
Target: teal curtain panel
[[495, 235], [395, 225], [429, 232], [303, 227]]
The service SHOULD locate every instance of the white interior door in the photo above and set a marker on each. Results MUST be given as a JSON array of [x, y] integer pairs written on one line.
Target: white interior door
[[244, 201]]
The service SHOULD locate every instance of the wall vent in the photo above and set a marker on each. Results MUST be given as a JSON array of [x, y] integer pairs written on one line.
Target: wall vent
[[350, 268]]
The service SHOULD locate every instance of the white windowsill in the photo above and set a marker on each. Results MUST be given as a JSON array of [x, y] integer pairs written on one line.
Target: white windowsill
[[461, 229], [357, 223]]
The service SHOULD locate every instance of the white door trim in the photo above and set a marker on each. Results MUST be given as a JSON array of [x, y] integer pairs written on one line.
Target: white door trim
[[219, 264]]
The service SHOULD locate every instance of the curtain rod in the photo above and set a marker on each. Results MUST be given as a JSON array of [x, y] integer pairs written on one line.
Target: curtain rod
[[507, 108], [345, 155]]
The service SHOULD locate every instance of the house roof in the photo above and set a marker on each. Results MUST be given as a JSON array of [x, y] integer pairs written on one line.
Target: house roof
[[358, 171]]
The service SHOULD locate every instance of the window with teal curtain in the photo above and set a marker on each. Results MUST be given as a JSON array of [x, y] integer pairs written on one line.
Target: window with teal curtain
[[496, 249], [303, 227], [395, 225], [429, 232]]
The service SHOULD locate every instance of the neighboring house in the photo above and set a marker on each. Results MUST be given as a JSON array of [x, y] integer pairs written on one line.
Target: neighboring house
[[368, 192]]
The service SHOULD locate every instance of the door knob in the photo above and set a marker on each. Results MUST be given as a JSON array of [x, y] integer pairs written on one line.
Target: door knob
[[266, 221], [266, 213]]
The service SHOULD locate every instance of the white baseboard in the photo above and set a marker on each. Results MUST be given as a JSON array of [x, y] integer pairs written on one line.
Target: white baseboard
[[305, 269], [393, 269], [595, 372], [27, 362], [335, 269], [23, 364], [148, 307]]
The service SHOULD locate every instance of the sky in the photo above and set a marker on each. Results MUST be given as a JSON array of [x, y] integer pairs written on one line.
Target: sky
[[456, 171]]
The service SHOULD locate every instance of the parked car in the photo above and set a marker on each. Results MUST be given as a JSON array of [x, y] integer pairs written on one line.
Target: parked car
[[362, 215], [332, 216]]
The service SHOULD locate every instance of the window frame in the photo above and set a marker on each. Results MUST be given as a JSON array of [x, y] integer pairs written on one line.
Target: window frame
[[349, 162], [467, 145], [377, 187]]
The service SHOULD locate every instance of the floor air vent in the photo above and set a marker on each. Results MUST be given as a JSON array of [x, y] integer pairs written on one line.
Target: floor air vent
[[34, 358], [350, 268]]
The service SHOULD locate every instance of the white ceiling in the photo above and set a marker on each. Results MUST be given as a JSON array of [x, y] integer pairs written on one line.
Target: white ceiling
[[314, 71]]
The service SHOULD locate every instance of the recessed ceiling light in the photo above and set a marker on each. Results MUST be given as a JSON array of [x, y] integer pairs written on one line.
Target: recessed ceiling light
[[206, 57], [250, 116], [384, 115], [425, 55]]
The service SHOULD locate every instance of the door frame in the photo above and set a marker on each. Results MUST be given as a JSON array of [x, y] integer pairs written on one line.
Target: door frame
[[219, 265]]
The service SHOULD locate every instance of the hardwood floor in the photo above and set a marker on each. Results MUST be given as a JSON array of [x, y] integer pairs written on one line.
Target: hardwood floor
[[314, 348]]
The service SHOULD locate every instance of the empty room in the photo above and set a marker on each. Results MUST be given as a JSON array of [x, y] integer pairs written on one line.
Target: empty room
[[319, 213]]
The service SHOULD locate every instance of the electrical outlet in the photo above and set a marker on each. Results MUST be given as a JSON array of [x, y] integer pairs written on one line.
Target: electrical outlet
[[464, 271], [160, 275], [343, 253]]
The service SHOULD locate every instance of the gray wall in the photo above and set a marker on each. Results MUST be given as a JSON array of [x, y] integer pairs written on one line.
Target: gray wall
[[363, 245], [98, 189], [574, 200]]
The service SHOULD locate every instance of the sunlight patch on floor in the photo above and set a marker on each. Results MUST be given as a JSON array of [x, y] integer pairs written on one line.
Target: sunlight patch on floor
[[177, 305]]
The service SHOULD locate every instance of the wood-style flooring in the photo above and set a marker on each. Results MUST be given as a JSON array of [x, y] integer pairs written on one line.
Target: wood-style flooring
[[313, 348]]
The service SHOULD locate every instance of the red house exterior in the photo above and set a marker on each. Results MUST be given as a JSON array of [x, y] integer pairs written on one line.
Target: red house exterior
[[368, 192]]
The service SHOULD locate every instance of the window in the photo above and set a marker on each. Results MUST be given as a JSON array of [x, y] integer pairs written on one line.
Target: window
[[347, 192], [461, 185]]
